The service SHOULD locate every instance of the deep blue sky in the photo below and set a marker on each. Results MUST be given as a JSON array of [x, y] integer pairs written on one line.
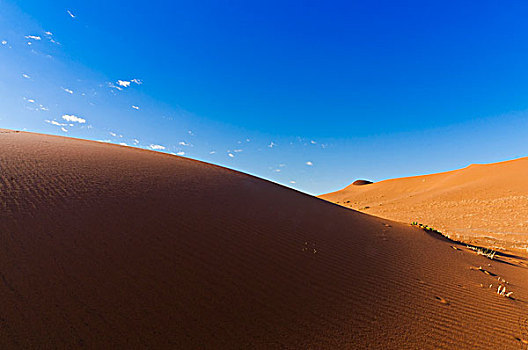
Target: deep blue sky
[[373, 89]]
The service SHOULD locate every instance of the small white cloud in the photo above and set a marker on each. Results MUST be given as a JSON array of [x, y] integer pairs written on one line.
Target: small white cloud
[[231, 155], [34, 37], [64, 129], [123, 144], [293, 182], [190, 133], [309, 163], [4, 42], [29, 42], [54, 122], [212, 152], [313, 142], [71, 14], [136, 107], [183, 143], [181, 153], [26, 76], [157, 147], [136, 81], [113, 134], [277, 170], [123, 83], [42, 108], [67, 90], [48, 33], [248, 140], [136, 142], [31, 101], [272, 144], [74, 119], [237, 150]]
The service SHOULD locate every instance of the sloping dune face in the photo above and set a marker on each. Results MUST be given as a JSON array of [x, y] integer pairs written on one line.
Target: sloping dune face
[[483, 204], [105, 246]]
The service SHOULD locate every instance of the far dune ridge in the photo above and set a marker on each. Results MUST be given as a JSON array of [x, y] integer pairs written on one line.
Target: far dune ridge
[[482, 203], [105, 246]]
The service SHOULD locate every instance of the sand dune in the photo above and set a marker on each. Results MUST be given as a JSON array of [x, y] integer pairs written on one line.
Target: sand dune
[[481, 204], [107, 246]]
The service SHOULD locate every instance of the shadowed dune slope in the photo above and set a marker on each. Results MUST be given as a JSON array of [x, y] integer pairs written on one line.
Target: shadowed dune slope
[[107, 246], [483, 204]]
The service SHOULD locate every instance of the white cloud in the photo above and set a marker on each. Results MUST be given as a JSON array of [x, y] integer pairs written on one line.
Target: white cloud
[[31, 101], [309, 163], [136, 107], [136, 81], [113, 134], [272, 144], [67, 90], [29, 42], [313, 142], [48, 33], [4, 42], [181, 153], [54, 122], [123, 144], [183, 143], [190, 133], [212, 152], [71, 14], [157, 147], [277, 170], [231, 155], [74, 119], [237, 150], [293, 182], [26, 76], [136, 141], [123, 83], [64, 129], [34, 37]]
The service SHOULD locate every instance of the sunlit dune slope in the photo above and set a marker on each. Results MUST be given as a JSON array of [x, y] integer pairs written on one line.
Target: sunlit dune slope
[[105, 246], [485, 204]]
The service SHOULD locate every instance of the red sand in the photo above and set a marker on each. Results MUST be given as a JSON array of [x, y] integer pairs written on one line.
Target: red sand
[[106, 246], [481, 204]]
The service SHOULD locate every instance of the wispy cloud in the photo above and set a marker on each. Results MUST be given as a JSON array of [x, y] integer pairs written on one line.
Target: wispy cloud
[[272, 144], [67, 90], [64, 129], [293, 182], [74, 119], [183, 143], [71, 14], [34, 37], [157, 147], [54, 122], [123, 83], [309, 163], [48, 33], [136, 81], [135, 107], [26, 76], [181, 153]]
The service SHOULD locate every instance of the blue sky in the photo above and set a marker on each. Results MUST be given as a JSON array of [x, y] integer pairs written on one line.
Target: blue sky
[[308, 94]]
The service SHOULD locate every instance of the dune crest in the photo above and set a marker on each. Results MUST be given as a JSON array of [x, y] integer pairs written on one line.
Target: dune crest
[[483, 203], [107, 246]]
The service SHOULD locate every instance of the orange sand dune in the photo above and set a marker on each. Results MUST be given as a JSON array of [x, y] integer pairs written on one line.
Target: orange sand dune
[[483, 204], [105, 246]]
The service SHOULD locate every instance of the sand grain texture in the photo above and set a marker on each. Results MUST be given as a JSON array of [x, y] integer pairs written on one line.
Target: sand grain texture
[[106, 246]]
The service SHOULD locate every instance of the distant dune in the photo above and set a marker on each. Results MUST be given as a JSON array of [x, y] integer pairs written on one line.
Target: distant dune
[[482, 204], [105, 246]]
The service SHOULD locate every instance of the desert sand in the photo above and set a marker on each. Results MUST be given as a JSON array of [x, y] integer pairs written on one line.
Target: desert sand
[[485, 204], [104, 246]]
